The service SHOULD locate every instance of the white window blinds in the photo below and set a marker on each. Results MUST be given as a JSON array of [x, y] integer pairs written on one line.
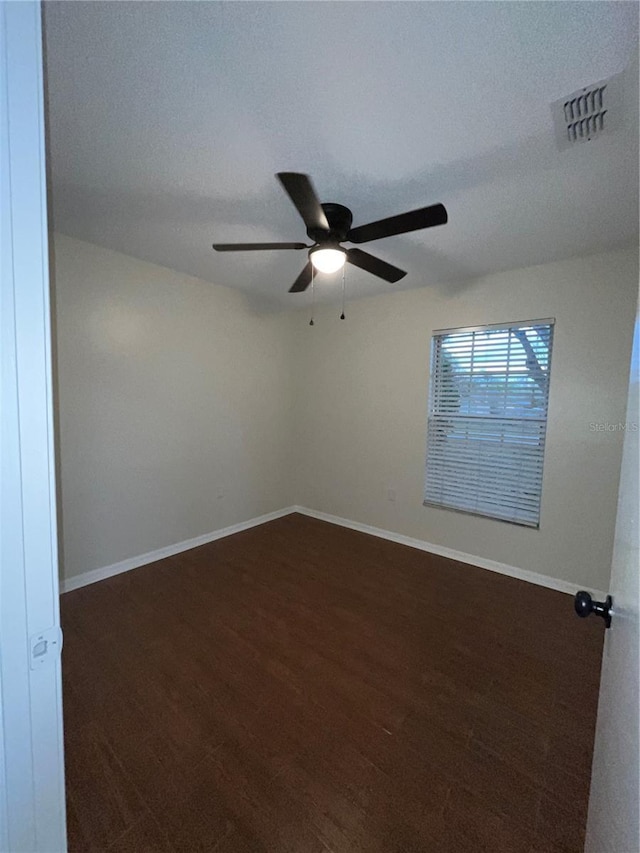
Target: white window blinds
[[487, 420]]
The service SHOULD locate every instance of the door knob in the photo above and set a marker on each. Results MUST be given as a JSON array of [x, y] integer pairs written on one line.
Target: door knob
[[585, 605]]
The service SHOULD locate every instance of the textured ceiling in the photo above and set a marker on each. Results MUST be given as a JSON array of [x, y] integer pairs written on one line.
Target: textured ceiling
[[167, 122]]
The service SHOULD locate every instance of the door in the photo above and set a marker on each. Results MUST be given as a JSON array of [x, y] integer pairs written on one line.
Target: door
[[32, 804], [612, 826]]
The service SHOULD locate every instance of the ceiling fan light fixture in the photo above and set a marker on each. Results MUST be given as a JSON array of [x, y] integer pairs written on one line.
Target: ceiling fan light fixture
[[328, 260]]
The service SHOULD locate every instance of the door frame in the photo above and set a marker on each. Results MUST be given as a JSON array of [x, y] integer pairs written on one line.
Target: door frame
[[32, 793]]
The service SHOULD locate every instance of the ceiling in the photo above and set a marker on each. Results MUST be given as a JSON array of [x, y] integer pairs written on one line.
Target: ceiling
[[167, 122]]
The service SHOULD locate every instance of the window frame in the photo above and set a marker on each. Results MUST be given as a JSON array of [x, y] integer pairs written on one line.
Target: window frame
[[439, 333]]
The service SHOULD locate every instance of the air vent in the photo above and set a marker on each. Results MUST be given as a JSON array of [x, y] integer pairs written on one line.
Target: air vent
[[588, 113]]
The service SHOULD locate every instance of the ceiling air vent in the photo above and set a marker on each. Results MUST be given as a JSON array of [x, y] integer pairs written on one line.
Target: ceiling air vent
[[588, 113]]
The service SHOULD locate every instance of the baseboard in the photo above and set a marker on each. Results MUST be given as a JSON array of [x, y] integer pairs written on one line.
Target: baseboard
[[152, 556], [450, 553]]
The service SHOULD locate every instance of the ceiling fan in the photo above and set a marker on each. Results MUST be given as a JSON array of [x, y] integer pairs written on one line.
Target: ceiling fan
[[329, 225]]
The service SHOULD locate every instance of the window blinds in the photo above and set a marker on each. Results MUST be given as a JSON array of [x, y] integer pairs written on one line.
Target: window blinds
[[487, 420]]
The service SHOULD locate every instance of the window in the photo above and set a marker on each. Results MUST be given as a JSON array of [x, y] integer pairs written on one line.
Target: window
[[487, 420]]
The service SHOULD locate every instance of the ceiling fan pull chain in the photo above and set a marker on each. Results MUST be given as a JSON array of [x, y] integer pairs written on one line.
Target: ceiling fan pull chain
[[342, 315], [313, 295]]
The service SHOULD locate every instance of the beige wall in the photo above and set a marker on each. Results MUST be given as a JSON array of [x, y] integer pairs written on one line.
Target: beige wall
[[174, 406], [181, 411], [361, 404]]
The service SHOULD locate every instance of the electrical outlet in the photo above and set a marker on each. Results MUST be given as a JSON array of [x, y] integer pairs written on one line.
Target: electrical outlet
[[391, 495]]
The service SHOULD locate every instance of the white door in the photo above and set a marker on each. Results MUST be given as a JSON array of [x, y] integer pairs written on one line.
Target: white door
[[32, 804], [613, 825]]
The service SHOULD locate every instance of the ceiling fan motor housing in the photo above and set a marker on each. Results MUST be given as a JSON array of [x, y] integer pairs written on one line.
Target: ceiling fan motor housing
[[339, 218]]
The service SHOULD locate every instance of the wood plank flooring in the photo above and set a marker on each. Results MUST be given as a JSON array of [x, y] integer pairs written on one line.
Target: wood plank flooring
[[304, 688]]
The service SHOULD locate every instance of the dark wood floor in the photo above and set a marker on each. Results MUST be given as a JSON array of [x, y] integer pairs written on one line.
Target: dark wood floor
[[300, 687]]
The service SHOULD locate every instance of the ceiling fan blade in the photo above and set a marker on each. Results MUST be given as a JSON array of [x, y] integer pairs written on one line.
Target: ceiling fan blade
[[425, 217], [301, 192], [255, 247], [374, 265], [303, 281]]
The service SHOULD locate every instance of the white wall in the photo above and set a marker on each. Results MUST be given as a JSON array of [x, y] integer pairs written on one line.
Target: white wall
[[171, 393], [361, 405]]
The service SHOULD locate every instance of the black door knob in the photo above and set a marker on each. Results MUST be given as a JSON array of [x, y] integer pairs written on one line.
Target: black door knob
[[585, 605]]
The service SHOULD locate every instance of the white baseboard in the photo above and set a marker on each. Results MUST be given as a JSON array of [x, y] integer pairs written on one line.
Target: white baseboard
[[152, 556], [450, 553]]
